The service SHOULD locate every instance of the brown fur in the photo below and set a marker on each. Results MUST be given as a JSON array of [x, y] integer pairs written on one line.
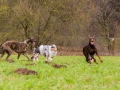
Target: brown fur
[[15, 46]]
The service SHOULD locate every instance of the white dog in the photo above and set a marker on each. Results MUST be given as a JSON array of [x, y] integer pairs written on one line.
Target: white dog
[[49, 51]]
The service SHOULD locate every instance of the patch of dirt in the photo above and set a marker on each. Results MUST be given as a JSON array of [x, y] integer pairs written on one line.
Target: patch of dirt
[[59, 66], [10, 60], [55, 65], [25, 71]]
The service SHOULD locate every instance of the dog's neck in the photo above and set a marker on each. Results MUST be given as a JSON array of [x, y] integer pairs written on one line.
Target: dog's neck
[[92, 46], [26, 41]]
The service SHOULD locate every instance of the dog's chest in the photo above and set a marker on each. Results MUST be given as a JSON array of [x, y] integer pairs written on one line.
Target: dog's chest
[[92, 51], [23, 47]]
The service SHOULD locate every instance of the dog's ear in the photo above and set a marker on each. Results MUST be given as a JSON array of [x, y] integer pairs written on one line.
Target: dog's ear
[[28, 37], [91, 36]]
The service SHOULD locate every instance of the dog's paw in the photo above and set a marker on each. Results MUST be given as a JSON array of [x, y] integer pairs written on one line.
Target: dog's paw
[[50, 58]]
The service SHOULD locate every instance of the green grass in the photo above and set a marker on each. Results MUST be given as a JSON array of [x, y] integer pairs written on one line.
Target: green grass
[[78, 75]]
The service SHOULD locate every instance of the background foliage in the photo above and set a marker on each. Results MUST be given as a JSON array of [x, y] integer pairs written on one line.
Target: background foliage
[[63, 22]]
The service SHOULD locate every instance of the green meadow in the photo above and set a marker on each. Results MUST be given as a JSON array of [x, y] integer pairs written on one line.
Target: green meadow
[[78, 75]]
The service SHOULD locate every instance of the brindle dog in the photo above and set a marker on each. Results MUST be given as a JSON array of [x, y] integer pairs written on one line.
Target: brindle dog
[[15, 46], [90, 50]]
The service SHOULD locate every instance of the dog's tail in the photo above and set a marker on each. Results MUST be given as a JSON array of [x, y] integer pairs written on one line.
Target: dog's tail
[[1, 50]]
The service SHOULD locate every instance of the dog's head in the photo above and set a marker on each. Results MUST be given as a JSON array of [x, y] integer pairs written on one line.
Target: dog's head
[[30, 40], [91, 40], [35, 56], [33, 41], [53, 48]]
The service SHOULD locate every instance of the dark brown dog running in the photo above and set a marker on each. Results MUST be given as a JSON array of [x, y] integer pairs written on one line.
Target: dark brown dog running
[[90, 50], [15, 46]]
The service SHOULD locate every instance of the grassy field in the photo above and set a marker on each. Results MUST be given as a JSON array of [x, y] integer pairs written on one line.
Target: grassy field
[[78, 75]]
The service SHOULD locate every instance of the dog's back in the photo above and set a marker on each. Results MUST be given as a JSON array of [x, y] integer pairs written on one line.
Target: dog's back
[[10, 46]]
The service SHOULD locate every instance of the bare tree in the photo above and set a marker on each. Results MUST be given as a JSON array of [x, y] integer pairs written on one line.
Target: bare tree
[[105, 21]]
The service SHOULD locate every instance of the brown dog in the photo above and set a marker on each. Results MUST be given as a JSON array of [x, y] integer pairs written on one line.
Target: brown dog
[[14, 46], [90, 50]]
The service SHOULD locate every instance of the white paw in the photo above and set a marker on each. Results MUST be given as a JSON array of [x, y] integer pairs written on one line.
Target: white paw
[[50, 58]]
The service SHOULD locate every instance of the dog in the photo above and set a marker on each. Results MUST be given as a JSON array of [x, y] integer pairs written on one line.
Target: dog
[[9, 47], [48, 51], [90, 50]]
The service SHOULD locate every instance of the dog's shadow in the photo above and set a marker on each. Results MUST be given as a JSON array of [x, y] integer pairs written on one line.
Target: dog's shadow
[[56, 65]]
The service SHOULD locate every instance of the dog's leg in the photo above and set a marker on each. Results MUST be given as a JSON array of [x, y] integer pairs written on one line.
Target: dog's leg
[[49, 58], [3, 53], [18, 55], [94, 59], [87, 57], [37, 59], [87, 60], [8, 54], [90, 62], [99, 58], [46, 54], [46, 58], [37, 56], [26, 56]]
